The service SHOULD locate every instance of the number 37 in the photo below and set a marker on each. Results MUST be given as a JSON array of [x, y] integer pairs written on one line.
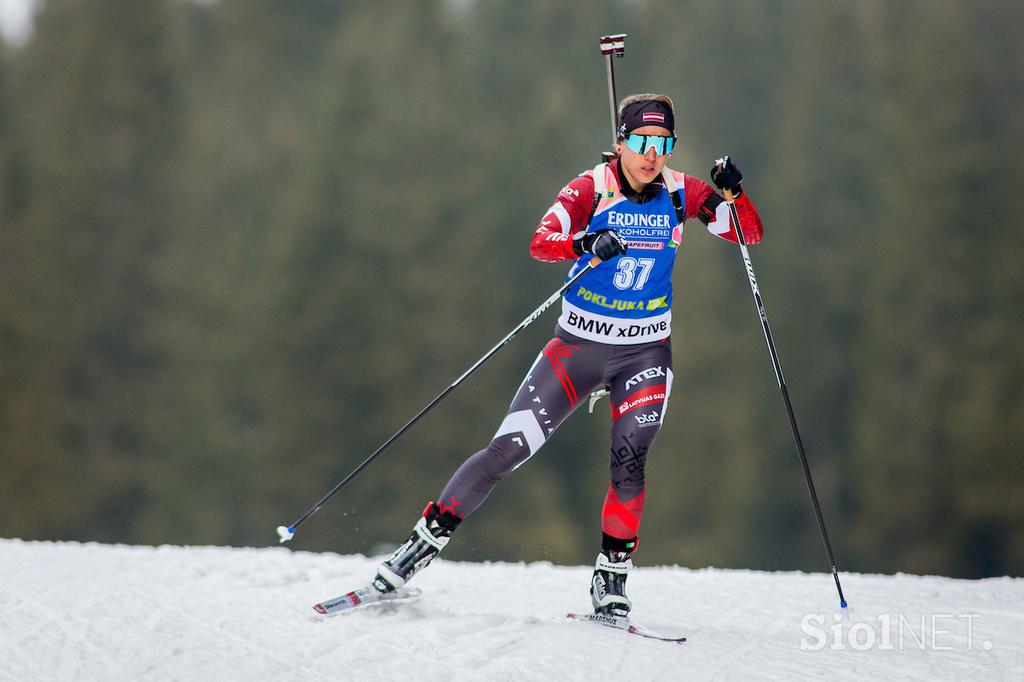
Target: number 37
[[630, 269]]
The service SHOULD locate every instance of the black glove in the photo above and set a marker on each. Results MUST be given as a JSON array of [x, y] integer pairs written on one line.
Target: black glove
[[726, 175], [604, 244]]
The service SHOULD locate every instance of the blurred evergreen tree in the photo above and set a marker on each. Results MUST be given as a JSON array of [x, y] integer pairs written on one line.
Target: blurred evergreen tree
[[809, 186], [242, 242], [940, 346], [366, 314], [253, 71], [97, 99], [6, 141]]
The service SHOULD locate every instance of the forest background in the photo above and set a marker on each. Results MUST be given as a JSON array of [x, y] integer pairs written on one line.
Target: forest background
[[242, 242]]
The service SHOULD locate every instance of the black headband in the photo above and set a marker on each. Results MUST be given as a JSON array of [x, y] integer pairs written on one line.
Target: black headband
[[646, 113]]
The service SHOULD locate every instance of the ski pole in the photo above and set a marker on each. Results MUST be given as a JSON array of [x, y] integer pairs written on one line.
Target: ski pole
[[614, 45], [286, 533], [745, 256]]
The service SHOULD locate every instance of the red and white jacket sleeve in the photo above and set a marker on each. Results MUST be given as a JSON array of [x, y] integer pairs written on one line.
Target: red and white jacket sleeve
[[552, 240], [569, 214], [703, 203]]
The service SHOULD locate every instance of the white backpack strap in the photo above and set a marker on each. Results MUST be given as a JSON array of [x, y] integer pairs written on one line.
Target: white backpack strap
[[600, 185], [600, 179], [674, 191], [670, 179]]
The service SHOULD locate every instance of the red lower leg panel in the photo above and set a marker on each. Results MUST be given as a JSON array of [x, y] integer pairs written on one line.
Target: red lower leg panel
[[622, 519]]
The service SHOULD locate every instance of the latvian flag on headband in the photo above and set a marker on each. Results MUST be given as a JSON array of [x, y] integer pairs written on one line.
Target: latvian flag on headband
[[653, 117]]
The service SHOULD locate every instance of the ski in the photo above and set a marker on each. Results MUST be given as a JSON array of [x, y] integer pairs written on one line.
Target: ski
[[623, 623], [365, 596]]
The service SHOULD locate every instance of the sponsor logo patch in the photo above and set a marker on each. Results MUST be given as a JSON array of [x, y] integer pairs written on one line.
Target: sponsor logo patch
[[652, 418], [642, 398], [619, 219], [617, 331], [649, 373], [652, 246], [617, 304], [644, 232]]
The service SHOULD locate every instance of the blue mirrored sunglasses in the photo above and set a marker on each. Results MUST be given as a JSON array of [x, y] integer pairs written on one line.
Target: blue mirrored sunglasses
[[641, 143]]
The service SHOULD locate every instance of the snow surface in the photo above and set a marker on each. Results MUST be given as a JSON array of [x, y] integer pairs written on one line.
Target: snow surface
[[72, 611]]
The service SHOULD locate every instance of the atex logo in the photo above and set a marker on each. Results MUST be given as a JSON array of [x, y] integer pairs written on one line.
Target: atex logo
[[650, 419], [893, 632], [649, 373]]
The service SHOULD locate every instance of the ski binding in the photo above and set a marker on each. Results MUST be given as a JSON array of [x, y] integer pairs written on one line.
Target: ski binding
[[365, 596], [623, 623]]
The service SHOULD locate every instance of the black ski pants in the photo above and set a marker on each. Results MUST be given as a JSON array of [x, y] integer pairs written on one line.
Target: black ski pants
[[562, 378]]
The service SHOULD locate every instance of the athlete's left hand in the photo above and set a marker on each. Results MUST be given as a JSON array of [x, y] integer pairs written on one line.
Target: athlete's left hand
[[726, 175]]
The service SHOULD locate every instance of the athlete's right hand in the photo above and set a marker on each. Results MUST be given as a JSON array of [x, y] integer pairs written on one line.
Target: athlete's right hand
[[604, 244]]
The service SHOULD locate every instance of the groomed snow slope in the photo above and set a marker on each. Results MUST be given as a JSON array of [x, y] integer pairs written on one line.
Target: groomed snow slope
[[72, 611]]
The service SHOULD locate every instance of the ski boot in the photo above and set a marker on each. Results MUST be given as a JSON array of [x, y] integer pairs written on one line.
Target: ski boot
[[608, 585], [429, 537]]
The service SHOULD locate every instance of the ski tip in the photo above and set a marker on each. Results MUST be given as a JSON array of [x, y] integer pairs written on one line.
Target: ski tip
[[285, 533], [842, 603]]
